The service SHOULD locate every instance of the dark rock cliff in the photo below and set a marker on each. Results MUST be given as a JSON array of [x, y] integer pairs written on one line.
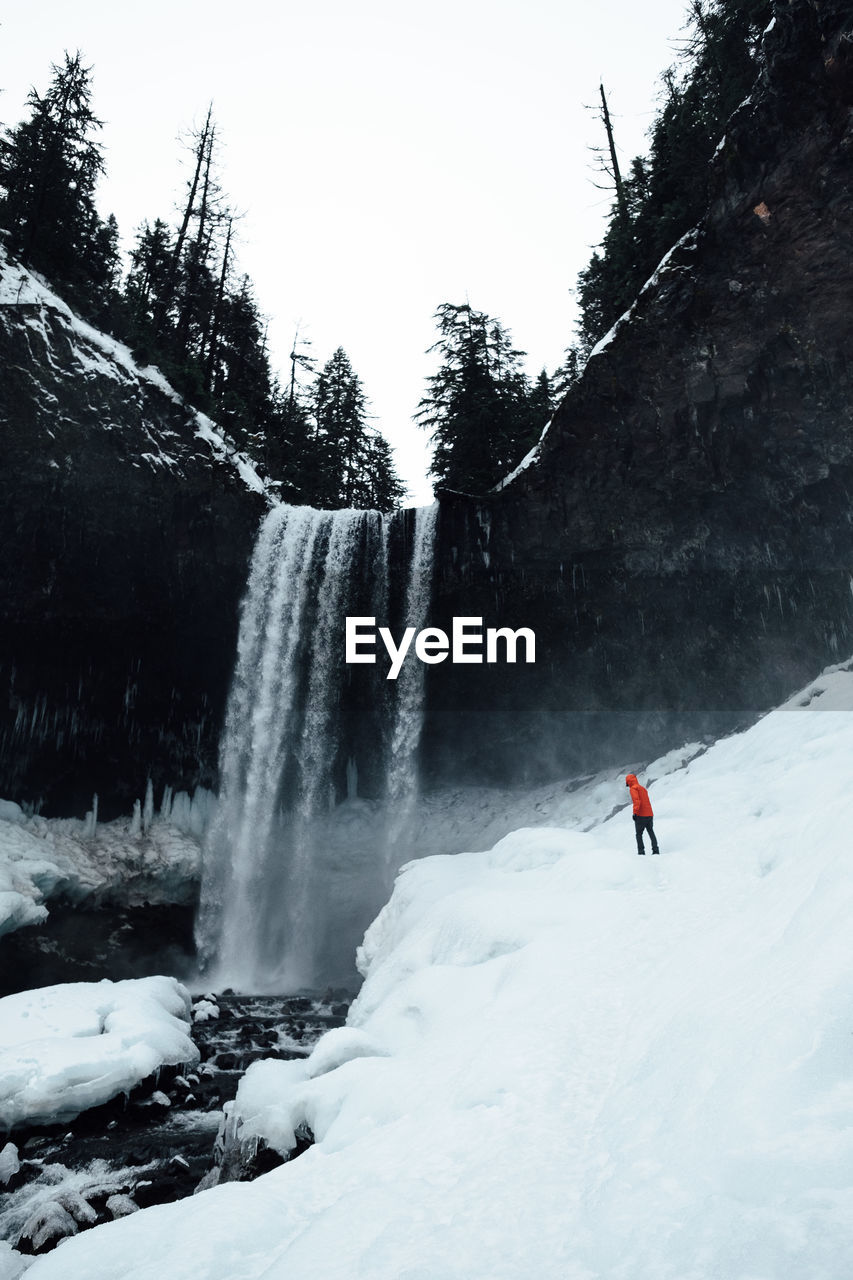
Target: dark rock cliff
[[126, 525], [682, 542]]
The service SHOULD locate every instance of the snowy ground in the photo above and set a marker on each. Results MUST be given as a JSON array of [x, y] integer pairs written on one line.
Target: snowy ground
[[568, 1062]]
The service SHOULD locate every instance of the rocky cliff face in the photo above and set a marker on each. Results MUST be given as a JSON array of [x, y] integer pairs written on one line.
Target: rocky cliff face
[[126, 523], [682, 542]]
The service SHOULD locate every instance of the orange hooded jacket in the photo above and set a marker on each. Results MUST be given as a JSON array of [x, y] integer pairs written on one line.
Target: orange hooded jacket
[[640, 797]]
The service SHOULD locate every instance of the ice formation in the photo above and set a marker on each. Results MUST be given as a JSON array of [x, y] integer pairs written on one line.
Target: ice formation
[[83, 861]]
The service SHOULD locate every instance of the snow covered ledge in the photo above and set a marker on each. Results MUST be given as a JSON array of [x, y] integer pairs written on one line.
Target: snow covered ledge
[[67, 1048]]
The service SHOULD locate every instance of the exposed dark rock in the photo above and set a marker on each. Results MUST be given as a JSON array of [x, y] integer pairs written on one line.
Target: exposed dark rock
[[683, 543], [682, 546], [126, 537], [79, 945]]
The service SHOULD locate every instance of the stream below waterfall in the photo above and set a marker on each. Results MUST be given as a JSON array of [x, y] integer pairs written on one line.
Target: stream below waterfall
[[156, 1145]]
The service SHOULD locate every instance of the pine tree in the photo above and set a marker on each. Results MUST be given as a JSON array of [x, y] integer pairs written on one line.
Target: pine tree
[[565, 375], [383, 489], [147, 280], [666, 194], [478, 405], [49, 167], [352, 464], [242, 379]]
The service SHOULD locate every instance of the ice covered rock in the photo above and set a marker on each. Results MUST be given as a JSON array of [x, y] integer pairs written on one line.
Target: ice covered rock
[[204, 1010], [49, 1223], [93, 864], [9, 1163], [67, 1048], [119, 1206]]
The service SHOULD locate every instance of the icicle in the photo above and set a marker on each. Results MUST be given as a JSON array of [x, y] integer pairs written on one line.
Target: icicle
[[352, 779], [148, 808], [135, 830], [166, 804], [90, 822]]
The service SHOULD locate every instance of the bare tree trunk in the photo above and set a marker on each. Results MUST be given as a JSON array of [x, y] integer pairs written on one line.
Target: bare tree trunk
[[614, 162], [169, 292], [213, 349]]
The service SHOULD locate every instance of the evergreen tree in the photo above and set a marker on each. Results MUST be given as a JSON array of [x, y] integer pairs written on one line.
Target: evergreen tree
[[352, 463], [666, 194], [242, 379], [478, 407], [566, 375], [383, 490], [147, 280], [542, 399], [49, 167]]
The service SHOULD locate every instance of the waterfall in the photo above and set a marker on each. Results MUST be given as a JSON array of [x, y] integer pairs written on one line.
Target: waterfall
[[401, 786], [302, 732]]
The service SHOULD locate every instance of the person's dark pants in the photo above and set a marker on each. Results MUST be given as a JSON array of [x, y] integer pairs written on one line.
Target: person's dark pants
[[641, 825]]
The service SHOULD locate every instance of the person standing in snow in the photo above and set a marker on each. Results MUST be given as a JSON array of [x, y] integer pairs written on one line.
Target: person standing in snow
[[643, 813]]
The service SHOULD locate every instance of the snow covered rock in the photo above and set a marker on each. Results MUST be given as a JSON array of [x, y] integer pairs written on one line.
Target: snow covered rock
[[9, 1163], [51, 1222], [204, 1010], [67, 1048], [119, 1206]]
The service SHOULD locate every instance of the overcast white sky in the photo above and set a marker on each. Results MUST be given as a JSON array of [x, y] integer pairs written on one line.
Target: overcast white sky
[[389, 156]]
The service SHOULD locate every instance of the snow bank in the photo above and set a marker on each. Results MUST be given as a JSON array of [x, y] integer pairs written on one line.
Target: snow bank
[[145, 858], [569, 1062], [67, 1048]]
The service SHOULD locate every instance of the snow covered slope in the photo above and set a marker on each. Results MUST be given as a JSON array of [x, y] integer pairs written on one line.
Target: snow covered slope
[[96, 354], [570, 1063]]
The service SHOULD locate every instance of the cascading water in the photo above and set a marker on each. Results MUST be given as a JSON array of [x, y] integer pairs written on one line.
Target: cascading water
[[401, 778], [277, 881]]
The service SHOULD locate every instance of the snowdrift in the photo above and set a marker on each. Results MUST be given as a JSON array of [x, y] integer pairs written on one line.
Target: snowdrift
[[569, 1062], [66, 1048]]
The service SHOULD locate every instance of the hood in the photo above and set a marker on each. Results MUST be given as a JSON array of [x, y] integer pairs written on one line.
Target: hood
[[631, 780]]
